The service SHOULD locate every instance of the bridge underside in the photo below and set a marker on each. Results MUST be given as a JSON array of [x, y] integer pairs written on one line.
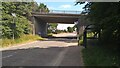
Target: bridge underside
[[62, 20], [57, 17], [41, 20]]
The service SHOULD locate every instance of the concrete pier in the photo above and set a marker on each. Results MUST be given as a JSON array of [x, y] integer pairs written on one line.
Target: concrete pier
[[40, 21], [40, 27]]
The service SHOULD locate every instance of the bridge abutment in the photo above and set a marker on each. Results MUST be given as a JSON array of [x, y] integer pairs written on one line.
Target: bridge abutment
[[40, 27]]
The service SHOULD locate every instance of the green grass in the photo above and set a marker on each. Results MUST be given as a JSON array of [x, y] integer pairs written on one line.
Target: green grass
[[101, 55], [50, 34], [81, 38], [22, 39], [81, 42], [90, 34]]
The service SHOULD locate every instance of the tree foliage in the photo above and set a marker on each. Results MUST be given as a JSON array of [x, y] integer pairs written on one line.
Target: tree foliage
[[43, 8], [21, 23], [52, 27], [70, 29], [106, 17]]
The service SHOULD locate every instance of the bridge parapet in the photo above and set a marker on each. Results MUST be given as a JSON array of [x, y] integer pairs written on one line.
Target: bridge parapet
[[65, 12], [62, 12]]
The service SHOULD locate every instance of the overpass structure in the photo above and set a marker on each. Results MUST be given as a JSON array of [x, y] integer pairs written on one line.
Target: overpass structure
[[40, 19]]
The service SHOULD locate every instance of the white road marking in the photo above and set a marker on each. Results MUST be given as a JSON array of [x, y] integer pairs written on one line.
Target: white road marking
[[58, 60], [7, 56]]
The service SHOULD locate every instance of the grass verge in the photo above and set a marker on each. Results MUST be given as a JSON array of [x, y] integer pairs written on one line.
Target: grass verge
[[101, 55], [22, 39], [50, 34]]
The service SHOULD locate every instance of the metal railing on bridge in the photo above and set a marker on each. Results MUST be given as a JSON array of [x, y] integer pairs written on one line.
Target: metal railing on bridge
[[62, 12], [65, 11]]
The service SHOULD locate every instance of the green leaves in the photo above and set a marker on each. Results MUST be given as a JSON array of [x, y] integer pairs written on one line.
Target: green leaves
[[70, 29], [43, 8], [106, 17], [21, 22]]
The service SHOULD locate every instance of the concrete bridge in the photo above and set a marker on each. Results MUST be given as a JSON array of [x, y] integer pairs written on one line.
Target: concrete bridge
[[40, 19]]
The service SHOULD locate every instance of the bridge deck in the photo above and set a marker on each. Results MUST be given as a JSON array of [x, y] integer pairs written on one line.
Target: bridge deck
[[67, 18]]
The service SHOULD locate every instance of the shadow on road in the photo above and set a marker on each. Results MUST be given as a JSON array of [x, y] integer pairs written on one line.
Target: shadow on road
[[42, 56], [68, 39], [55, 54]]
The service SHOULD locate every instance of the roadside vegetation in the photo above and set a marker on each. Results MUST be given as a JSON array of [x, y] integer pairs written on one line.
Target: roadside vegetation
[[97, 54], [101, 55], [17, 26], [52, 27], [21, 40], [106, 18], [90, 34], [71, 29]]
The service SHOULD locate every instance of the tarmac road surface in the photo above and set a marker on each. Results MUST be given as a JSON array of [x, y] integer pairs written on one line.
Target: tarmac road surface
[[61, 51]]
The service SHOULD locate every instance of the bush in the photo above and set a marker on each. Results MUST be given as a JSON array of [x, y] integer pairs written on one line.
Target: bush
[[101, 55], [70, 29], [81, 42], [21, 26]]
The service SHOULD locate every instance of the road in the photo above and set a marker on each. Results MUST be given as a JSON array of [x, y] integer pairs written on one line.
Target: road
[[59, 51]]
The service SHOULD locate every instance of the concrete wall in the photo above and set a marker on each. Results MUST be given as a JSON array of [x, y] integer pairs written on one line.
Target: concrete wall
[[40, 27]]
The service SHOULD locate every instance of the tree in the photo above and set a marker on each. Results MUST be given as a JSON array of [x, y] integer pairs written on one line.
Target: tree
[[52, 27], [43, 8], [106, 18], [74, 27], [22, 21], [70, 29]]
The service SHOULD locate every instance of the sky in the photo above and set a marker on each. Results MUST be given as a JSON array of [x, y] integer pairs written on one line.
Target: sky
[[62, 5]]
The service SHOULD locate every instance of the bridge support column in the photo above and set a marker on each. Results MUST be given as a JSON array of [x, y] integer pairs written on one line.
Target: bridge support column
[[40, 27]]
